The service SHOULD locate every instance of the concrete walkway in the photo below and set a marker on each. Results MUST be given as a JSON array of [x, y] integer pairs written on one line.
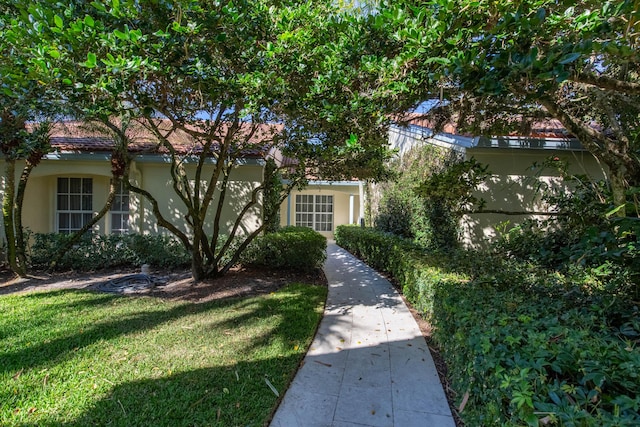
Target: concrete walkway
[[368, 364]]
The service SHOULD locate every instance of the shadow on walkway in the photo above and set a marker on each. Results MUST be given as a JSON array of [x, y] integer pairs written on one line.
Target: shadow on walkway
[[369, 364]]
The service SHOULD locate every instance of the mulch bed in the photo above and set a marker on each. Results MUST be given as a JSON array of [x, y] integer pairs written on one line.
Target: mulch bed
[[174, 284]]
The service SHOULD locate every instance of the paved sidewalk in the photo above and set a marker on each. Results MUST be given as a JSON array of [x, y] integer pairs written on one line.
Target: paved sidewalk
[[368, 364]]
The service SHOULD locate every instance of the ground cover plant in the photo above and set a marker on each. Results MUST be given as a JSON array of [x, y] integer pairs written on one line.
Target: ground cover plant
[[85, 358], [524, 345]]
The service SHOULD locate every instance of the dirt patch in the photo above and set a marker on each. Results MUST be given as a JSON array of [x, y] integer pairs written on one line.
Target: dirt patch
[[170, 284]]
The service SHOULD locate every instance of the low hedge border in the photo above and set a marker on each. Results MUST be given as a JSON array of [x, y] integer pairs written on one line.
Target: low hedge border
[[94, 252], [290, 247], [523, 346]]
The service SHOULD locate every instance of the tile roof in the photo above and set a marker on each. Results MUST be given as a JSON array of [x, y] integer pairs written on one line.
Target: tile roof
[[77, 137], [549, 128]]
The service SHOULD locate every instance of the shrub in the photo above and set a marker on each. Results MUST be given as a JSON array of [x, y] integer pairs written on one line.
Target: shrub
[[427, 199], [585, 232], [95, 252], [400, 257], [523, 345], [290, 247]]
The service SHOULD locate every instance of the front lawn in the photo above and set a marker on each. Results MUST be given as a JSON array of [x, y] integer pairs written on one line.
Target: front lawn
[[83, 358]]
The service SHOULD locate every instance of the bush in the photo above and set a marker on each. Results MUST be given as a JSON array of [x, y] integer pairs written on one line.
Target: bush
[[290, 247], [95, 252], [584, 232], [524, 345], [400, 257]]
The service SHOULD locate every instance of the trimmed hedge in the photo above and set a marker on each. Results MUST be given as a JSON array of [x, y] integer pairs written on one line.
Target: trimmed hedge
[[524, 346], [404, 260], [94, 252], [290, 247]]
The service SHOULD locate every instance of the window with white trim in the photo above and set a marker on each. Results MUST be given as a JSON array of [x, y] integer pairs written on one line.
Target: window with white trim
[[120, 211], [74, 206], [314, 211]]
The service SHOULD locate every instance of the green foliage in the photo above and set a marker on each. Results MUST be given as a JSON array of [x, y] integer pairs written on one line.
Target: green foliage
[[585, 231], [525, 345], [540, 348], [401, 211], [290, 247], [499, 67], [105, 251], [433, 188], [453, 187]]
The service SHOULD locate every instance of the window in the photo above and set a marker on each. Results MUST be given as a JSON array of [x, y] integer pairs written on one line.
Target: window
[[74, 204], [314, 211], [120, 211]]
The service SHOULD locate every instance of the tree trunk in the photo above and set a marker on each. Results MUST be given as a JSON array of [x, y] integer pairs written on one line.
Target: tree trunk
[[8, 202], [197, 265], [21, 244], [618, 187]]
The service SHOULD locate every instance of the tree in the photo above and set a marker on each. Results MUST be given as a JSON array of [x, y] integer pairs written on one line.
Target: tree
[[34, 87], [501, 66], [232, 80], [24, 99]]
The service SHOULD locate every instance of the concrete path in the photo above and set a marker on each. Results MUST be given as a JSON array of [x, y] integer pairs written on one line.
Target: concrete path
[[368, 364]]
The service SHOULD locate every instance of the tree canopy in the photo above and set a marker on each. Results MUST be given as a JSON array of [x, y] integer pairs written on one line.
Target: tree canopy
[[234, 77], [501, 66]]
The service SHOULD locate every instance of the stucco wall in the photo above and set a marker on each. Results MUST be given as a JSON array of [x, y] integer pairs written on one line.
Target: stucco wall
[[40, 197], [154, 178], [514, 186]]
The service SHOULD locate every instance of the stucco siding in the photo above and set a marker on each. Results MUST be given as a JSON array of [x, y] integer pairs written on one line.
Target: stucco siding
[[39, 211], [514, 187]]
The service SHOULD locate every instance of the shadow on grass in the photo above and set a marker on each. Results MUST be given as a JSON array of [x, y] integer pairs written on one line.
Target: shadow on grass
[[214, 392], [289, 308], [214, 396], [203, 397]]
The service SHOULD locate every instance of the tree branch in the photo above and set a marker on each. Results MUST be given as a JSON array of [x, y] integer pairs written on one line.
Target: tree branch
[[607, 83]]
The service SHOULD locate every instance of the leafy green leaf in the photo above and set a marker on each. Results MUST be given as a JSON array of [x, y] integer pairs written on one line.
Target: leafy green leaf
[[569, 58], [121, 35], [91, 60], [58, 21], [88, 21]]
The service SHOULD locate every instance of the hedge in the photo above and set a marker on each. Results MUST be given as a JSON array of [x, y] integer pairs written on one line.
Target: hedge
[[94, 252], [523, 346], [290, 247]]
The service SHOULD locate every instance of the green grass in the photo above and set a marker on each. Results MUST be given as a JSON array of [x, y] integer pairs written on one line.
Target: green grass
[[81, 358]]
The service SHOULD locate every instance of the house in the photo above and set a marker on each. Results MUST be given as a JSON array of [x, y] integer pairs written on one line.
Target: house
[[323, 205], [71, 185], [512, 191]]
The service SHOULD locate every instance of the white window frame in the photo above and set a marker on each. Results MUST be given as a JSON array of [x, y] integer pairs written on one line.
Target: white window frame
[[314, 211], [73, 206], [120, 223]]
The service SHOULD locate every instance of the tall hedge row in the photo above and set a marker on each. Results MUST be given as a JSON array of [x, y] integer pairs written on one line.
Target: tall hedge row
[[524, 346]]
